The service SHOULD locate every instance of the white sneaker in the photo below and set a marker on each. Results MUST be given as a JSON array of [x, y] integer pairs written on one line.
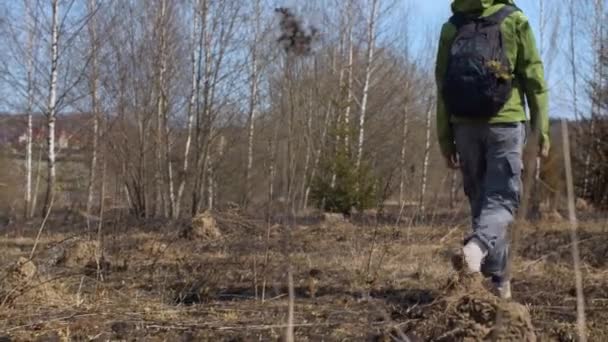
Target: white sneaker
[[473, 256]]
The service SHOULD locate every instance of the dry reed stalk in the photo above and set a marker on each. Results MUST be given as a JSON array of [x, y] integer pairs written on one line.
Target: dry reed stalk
[[580, 297]]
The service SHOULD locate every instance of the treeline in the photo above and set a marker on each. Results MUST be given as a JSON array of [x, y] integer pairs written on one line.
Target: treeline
[[194, 105]]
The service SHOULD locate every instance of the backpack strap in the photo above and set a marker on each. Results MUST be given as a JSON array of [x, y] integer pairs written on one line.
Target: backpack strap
[[459, 20], [502, 14]]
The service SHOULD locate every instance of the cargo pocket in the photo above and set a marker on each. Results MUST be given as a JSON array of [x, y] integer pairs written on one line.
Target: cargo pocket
[[515, 167]]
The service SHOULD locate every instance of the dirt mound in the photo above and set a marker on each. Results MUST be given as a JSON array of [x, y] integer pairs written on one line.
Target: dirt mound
[[22, 283], [80, 253], [25, 269], [468, 311], [204, 227], [16, 280], [153, 247]]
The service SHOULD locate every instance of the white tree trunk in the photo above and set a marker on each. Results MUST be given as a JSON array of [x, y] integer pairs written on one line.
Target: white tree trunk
[[28, 166], [169, 168], [102, 194], [403, 157], [371, 40], [52, 109], [250, 134], [164, 182], [165, 115], [272, 173], [32, 30], [253, 100], [210, 185], [37, 186], [203, 127], [307, 158], [425, 163], [291, 145], [196, 46], [349, 85], [94, 108]]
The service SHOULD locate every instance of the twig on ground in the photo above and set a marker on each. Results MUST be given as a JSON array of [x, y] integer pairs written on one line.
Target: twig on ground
[[46, 321]]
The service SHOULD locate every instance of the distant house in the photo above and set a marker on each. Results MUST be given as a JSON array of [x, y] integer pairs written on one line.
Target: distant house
[[71, 132], [38, 136], [63, 141]]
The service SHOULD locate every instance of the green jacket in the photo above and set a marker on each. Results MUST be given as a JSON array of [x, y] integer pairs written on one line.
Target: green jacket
[[529, 81]]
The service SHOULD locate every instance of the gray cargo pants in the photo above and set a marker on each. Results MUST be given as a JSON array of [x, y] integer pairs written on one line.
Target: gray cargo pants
[[491, 163]]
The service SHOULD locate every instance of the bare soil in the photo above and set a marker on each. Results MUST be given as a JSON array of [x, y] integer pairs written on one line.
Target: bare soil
[[354, 281]]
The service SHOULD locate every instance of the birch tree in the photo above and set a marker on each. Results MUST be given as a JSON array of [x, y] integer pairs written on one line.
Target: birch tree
[[371, 41], [350, 71], [425, 162], [161, 195], [93, 80], [253, 99], [32, 28], [195, 60], [165, 168], [218, 31], [405, 131], [51, 112]]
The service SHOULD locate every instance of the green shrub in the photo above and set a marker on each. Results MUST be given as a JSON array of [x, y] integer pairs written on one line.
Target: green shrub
[[351, 188]]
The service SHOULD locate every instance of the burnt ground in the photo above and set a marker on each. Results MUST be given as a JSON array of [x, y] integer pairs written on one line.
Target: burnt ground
[[361, 281]]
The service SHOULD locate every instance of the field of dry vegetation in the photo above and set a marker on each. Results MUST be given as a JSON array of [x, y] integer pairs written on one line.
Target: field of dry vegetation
[[222, 278], [162, 139]]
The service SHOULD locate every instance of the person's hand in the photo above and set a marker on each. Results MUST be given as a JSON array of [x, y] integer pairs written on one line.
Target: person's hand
[[453, 161]]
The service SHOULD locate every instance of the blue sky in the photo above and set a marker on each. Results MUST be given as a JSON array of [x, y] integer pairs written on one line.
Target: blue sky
[[424, 21]]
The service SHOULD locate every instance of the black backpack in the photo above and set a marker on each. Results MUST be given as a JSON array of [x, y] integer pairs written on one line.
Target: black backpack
[[478, 80]]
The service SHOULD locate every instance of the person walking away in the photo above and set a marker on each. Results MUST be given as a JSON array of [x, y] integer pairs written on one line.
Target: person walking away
[[487, 67]]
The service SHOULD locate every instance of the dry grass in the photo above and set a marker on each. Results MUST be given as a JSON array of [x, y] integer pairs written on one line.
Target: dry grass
[[160, 287]]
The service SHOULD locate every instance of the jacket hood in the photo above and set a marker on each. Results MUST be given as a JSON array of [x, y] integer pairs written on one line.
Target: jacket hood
[[476, 6]]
